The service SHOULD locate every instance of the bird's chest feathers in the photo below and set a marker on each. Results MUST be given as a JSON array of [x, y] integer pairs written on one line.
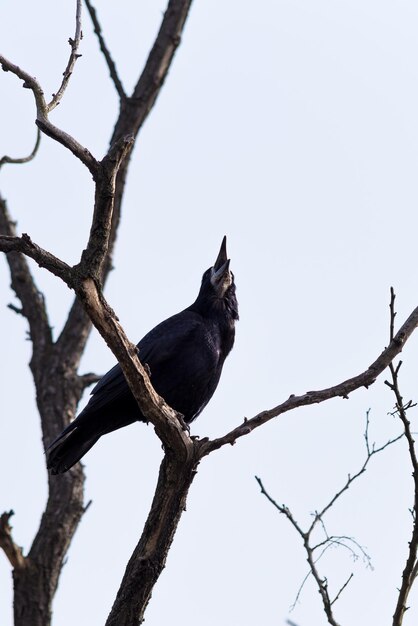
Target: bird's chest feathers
[[217, 341]]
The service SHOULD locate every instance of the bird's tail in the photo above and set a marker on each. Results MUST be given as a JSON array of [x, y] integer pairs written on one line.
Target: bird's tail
[[68, 448]]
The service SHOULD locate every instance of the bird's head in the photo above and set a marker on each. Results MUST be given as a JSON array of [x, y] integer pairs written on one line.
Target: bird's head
[[217, 291]]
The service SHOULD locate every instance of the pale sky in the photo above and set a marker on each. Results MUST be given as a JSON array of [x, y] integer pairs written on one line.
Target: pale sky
[[292, 127]]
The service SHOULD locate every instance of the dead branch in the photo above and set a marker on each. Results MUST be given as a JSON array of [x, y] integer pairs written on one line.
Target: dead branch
[[42, 120], [93, 258], [329, 541], [410, 571], [13, 552], [17, 161], [322, 583], [24, 286], [342, 390], [105, 51], [25, 245], [74, 44], [43, 109], [370, 452]]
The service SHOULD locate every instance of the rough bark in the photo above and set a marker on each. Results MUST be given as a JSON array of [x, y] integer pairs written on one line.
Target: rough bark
[[149, 557]]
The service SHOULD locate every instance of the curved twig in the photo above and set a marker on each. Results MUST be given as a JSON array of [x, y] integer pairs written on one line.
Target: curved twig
[[18, 161]]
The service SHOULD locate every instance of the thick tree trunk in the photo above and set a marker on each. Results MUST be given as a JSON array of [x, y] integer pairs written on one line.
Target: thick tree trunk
[[58, 391], [149, 557], [36, 582]]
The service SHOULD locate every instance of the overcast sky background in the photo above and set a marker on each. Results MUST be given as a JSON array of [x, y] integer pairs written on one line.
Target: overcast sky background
[[292, 127]]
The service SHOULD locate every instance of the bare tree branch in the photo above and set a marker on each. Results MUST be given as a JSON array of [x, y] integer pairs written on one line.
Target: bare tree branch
[[42, 120], [74, 335], [23, 284], [93, 258], [342, 589], [13, 552], [68, 142], [371, 451], [74, 43], [343, 389], [25, 245], [329, 541], [322, 583], [410, 571], [105, 51], [6, 159]]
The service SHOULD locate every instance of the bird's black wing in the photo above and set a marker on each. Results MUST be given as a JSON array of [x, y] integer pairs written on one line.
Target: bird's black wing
[[159, 345]]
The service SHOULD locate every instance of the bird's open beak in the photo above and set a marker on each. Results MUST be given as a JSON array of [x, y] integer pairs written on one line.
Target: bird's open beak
[[221, 277], [222, 256]]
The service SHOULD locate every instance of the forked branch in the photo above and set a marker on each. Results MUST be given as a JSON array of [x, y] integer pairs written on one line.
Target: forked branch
[[315, 551], [20, 160], [43, 108]]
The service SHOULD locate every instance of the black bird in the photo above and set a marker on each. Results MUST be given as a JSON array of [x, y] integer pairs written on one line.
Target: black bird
[[185, 355]]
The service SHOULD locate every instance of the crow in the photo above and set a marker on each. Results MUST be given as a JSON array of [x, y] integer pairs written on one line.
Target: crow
[[184, 355]]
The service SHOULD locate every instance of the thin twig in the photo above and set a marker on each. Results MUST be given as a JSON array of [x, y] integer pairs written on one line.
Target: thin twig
[[342, 589], [74, 43], [6, 159], [343, 541], [321, 583], [392, 314], [105, 51], [351, 479], [329, 541], [299, 592]]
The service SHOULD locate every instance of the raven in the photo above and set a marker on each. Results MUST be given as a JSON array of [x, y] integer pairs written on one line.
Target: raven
[[184, 354]]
